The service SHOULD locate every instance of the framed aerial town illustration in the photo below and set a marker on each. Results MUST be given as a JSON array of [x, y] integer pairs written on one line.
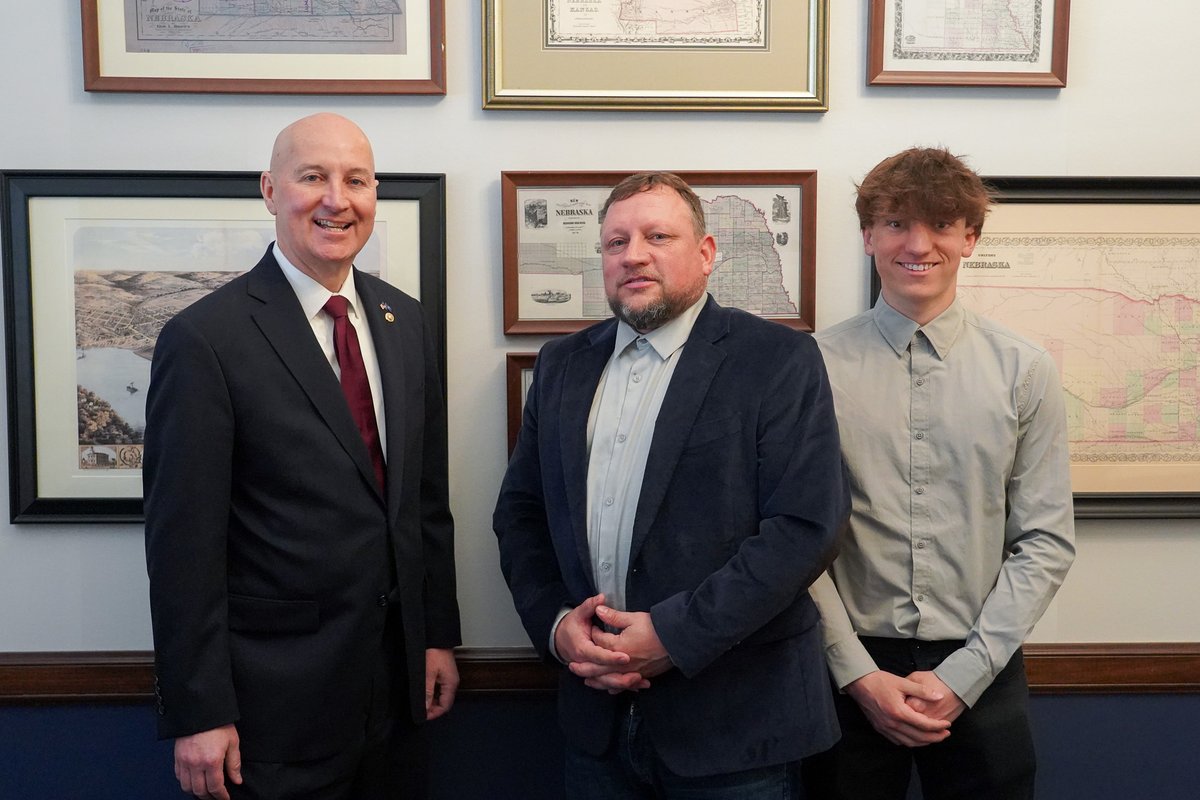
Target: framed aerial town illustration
[[1103, 273], [315, 47], [737, 55], [1018, 43], [518, 375], [96, 262], [764, 224]]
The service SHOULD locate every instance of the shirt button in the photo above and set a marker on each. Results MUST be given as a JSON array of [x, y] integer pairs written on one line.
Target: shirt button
[[921, 598], [920, 545], [920, 434], [920, 381], [620, 438], [605, 566], [637, 378], [920, 490], [608, 501]]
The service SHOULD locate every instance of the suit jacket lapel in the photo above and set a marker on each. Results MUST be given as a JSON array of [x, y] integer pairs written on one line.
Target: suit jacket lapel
[[698, 364], [582, 376], [282, 322], [394, 359]]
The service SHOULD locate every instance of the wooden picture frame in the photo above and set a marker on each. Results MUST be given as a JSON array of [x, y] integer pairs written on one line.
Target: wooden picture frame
[[920, 42], [175, 46], [518, 371], [550, 220], [1102, 272], [95, 262], [761, 55]]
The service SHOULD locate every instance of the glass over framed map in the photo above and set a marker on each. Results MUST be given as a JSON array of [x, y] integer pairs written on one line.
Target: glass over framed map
[[968, 42], [1105, 273], [254, 46], [96, 262], [764, 223], [745, 55]]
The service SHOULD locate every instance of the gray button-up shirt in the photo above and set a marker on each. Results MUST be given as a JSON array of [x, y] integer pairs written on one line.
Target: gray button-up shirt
[[954, 434]]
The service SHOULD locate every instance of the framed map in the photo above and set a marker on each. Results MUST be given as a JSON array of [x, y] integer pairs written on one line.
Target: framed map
[[1105, 273], [968, 42], [96, 262], [728, 55], [764, 224], [278, 47]]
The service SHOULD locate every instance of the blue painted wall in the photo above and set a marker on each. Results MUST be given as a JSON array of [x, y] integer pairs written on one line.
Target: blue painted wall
[[1098, 747]]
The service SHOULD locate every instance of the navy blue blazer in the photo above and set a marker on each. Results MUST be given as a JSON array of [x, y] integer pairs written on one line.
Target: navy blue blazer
[[267, 537], [741, 505]]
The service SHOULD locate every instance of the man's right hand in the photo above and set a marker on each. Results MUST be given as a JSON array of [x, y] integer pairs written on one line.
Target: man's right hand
[[203, 759], [882, 695], [600, 668]]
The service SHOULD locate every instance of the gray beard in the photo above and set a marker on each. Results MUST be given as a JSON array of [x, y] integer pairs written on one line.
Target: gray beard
[[645, 319]]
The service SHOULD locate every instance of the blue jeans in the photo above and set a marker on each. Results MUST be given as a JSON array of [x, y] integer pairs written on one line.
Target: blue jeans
[[632, 770]]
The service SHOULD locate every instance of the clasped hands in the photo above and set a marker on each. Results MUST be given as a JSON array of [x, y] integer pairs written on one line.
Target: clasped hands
[[912, 711], [614, 662]]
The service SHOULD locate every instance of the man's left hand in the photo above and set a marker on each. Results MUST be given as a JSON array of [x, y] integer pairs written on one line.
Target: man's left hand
[[636, 638], [441, 681], [948, 708]]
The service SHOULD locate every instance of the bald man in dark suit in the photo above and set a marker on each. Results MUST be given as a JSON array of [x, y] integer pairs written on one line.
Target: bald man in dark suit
[[300, 557]]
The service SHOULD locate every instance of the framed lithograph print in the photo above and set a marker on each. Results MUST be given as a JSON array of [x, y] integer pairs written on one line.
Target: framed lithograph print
[[314, 47], [1020, 43], [737, 55], [764, 224], [1103, 273], [96, 262], [518, 375]]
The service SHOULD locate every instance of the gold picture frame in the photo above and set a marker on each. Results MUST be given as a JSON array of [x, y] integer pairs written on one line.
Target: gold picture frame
[[771, 55]]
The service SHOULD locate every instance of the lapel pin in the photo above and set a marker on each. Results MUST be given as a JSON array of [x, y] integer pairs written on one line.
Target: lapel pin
[[388, 315]]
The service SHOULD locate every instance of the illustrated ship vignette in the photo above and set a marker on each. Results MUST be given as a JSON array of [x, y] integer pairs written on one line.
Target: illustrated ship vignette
[[550, 296]]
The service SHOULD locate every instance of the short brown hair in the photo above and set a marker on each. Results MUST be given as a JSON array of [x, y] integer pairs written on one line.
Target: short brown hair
[[645, 182], [927, 183]]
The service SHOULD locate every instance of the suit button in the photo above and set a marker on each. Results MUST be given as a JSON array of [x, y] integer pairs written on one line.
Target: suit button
[[381, 601]]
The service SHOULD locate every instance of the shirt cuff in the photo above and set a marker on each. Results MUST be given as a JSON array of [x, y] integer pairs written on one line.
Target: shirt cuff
[[966, 676], [848, 661], [554, 629]]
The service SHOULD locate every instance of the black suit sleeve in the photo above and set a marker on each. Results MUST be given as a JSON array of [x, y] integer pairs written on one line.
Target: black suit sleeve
[[187, 475]]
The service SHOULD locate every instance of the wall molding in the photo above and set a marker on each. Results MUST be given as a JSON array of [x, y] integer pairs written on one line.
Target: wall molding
[[128, 676]]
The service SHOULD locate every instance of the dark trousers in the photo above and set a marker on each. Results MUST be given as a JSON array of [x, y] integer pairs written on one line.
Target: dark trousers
[[633, 770], [988, 755], [389, 762]]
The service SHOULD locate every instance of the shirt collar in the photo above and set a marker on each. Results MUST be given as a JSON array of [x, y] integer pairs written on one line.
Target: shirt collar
[[898, 330], [667, 338], [312, 295]]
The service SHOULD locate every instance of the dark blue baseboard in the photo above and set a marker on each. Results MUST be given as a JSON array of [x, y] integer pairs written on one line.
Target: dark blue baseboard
[[1099, 747]]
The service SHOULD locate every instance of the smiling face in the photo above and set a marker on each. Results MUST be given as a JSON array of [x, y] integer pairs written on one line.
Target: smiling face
[[321, 189], [917, 261], [655, 263]]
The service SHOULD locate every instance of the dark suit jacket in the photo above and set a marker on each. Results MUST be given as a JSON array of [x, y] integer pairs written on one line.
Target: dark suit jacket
[[742, 500], [267, 538]]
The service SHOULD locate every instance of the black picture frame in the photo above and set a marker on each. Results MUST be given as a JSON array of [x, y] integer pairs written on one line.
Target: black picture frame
[[1078, 190], [399, 195]]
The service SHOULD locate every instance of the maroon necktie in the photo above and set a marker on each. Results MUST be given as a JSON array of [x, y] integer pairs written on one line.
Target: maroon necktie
[[354, 380]]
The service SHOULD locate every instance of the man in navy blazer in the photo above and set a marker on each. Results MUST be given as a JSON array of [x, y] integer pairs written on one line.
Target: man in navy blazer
[[304, 615], [675, 488]]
